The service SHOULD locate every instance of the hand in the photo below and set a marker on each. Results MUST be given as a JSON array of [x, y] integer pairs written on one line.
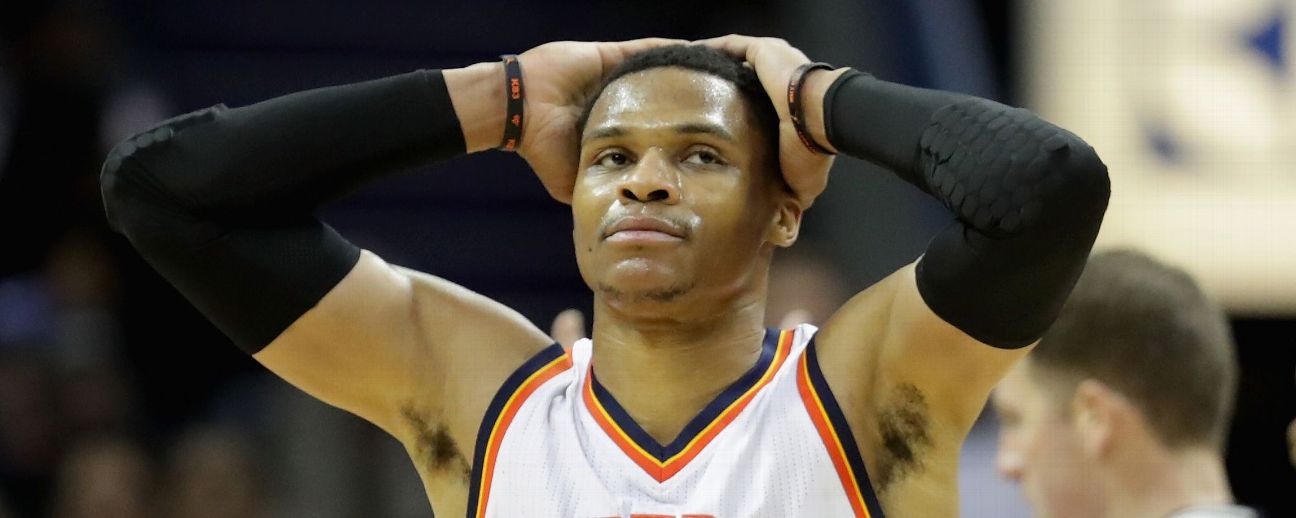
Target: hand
[[774, 61], [568, 327], [559, 78]]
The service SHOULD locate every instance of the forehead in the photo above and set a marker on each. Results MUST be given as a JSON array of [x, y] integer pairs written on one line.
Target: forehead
[[667, 96]]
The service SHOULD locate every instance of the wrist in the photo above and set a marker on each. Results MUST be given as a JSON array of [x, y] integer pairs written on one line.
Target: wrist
[[816, 86], [477, 93]]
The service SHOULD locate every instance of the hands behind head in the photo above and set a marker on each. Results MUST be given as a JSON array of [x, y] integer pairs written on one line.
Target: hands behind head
[[775, 61], [560, 77]]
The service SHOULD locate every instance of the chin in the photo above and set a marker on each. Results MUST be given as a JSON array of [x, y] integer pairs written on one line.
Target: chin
[[642, 273], [642, 283]]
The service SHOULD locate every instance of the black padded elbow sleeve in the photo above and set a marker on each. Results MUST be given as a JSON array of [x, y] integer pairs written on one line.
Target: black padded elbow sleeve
[[1029, 199], [220, 201], [250, 282]]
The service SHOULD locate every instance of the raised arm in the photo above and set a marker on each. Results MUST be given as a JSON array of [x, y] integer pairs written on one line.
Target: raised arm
[[220, 202], [1028, 198]]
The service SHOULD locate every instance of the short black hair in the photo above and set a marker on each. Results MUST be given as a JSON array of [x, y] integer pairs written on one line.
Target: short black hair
[[1148, 331], [703, 59]]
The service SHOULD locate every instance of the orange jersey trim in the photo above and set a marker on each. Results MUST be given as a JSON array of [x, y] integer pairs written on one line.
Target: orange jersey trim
[[836, 451], [505, 418]]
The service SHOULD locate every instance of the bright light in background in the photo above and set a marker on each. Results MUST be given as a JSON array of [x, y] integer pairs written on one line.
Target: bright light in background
[[1192, 105]]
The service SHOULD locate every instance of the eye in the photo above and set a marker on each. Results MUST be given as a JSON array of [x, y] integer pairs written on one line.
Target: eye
[[703, 157], [612, 159]]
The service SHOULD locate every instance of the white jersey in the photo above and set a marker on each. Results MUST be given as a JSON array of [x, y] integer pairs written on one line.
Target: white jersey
[[554, 443]]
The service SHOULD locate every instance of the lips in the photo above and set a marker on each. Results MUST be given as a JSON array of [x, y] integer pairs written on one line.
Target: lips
[[643, 228]]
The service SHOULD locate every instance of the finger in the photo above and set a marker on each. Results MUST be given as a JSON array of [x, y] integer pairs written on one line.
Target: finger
[[568, 327], [613, 53], [647, 43], [735, 45]]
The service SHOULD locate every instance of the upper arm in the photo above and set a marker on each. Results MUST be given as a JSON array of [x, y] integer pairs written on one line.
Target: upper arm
[[888, 349], [955, 371], [388, 338]]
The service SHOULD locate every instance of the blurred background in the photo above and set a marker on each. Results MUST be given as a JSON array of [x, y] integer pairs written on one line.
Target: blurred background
[[118, 400]]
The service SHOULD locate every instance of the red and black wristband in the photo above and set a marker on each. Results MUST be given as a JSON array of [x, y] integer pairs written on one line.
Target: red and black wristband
[[795, 110], [514, 93]]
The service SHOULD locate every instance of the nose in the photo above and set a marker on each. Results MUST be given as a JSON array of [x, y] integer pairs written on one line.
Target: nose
[[653, 179], [1008, 463]]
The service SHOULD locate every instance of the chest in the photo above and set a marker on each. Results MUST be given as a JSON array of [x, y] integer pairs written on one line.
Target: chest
[[581, 457]]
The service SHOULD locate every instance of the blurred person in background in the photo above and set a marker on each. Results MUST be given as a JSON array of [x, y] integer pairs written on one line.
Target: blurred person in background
[[568, 327], [106, 477], [211, 473], [804, 288], [67, 93], [56, 59], [1291, 441], [1123, 408], [32, 437]]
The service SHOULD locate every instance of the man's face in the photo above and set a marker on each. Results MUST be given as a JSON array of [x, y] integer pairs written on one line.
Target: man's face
[[1040, 448], [672, 208]]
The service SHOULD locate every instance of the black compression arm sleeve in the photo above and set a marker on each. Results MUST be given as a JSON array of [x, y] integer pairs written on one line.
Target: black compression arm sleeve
[[220, 201], [1028, 199]]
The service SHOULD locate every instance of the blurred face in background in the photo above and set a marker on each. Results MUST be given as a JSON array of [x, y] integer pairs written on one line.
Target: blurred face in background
[[105, 479], [1040, 447], [212, 474]]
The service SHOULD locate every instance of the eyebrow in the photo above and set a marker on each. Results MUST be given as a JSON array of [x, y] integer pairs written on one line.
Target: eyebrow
[[688, 128]]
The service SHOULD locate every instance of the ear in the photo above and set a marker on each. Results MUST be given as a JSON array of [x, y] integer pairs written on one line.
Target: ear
[[1095, 411], [785, 224]]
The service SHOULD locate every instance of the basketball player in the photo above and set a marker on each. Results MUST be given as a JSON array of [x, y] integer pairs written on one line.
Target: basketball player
[[1124, 407], [684, 170]]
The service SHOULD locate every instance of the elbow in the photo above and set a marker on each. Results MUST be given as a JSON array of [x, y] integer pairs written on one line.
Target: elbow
[[134, 198], [127, 181], [1063, 187], [1089, 172], [1068, 196], [1083, 185], [116, 185]]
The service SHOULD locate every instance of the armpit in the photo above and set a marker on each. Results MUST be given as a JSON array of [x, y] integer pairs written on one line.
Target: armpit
[[433, 449], [904, 427]]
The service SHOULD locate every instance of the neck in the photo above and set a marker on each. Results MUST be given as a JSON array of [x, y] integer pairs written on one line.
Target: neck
[[664, 372], [1161, 482]]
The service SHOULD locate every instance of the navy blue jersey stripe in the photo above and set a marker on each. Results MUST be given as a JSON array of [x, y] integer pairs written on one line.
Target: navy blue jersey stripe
[[837, 420], [511, 385]]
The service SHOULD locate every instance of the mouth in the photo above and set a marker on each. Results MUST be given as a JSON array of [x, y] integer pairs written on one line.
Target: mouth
[[643, 229]]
